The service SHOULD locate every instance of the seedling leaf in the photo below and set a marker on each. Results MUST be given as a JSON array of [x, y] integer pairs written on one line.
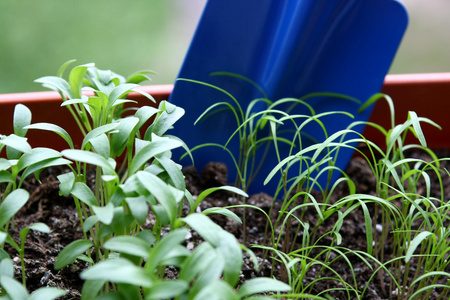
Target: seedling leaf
[[118, 270], [415, 243], [129, 245], [21, 119], [156, 146], [12, 204], [53, 128], [84, 193], [167, 289], [105, 214], [14, 289], [261, 285], [70, 253], [47, 293]]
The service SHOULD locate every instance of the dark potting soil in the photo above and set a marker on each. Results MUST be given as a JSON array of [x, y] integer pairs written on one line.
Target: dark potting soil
[[59, 213]]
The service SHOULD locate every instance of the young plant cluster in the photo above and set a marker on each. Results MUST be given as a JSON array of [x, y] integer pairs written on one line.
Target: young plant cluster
[[407, 230], [129, 151]]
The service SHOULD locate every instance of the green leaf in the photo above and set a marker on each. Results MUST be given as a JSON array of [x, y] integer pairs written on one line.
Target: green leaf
[[117, 270], [417, 128], [261, 285], [36, 155], [159, 252], [38, 167], [91, 288], [140, 76], [98, 131], [53, 128], [101, 145], [36, 226], [4, 164], [56, 84], [82, 100], [122, 101], [21, 119], [222, 211], [176, 256], [209, 191], [121, 220], [4, 255], [368, 225], [167, 289], [117, 197], [12, 204], [89, 158], [70, 253], [16, 142], [47, 293], [7, 177], [174, 172], [119, 139], [13, 288], [89, 223], [144, 114], [76, 78], [84, 193], [120, 91], [6, 268], [231, 251], [3, 236], [66, 183], [138, 207], [415, 243], [213, 271], [206, 228], [129, 245], [95, 109], [128, 291], [161, 215], [169, 115], [217, 290], [157, 145], [109, 178], [139, 144], [147, 236], [161, 191], [61, 69], [85, 258], [197, 261], [105, 214]]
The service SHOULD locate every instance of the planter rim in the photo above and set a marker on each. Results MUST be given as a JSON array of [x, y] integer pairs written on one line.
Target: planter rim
[[417, 78]]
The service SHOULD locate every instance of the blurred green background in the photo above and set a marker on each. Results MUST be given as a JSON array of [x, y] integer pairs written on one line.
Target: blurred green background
[[37, 36]]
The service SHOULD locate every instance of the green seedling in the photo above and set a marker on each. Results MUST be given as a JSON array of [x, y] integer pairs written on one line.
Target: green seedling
[[210, 271], [130, 153]]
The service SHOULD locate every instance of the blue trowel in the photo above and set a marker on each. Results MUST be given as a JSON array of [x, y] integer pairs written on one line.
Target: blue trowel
[[288, 48]]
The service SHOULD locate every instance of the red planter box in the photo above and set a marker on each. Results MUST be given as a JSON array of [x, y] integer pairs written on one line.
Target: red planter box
[[426, 94]]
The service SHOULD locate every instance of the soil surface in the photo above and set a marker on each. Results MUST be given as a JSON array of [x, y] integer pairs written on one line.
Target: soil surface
[[59, 213]]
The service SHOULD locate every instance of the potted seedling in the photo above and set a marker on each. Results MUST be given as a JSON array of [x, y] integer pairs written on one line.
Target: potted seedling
[[303, 239], [119, 174]]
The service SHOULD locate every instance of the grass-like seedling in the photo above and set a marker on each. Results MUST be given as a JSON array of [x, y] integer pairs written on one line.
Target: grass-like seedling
[[413, 223], [269, 130]]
